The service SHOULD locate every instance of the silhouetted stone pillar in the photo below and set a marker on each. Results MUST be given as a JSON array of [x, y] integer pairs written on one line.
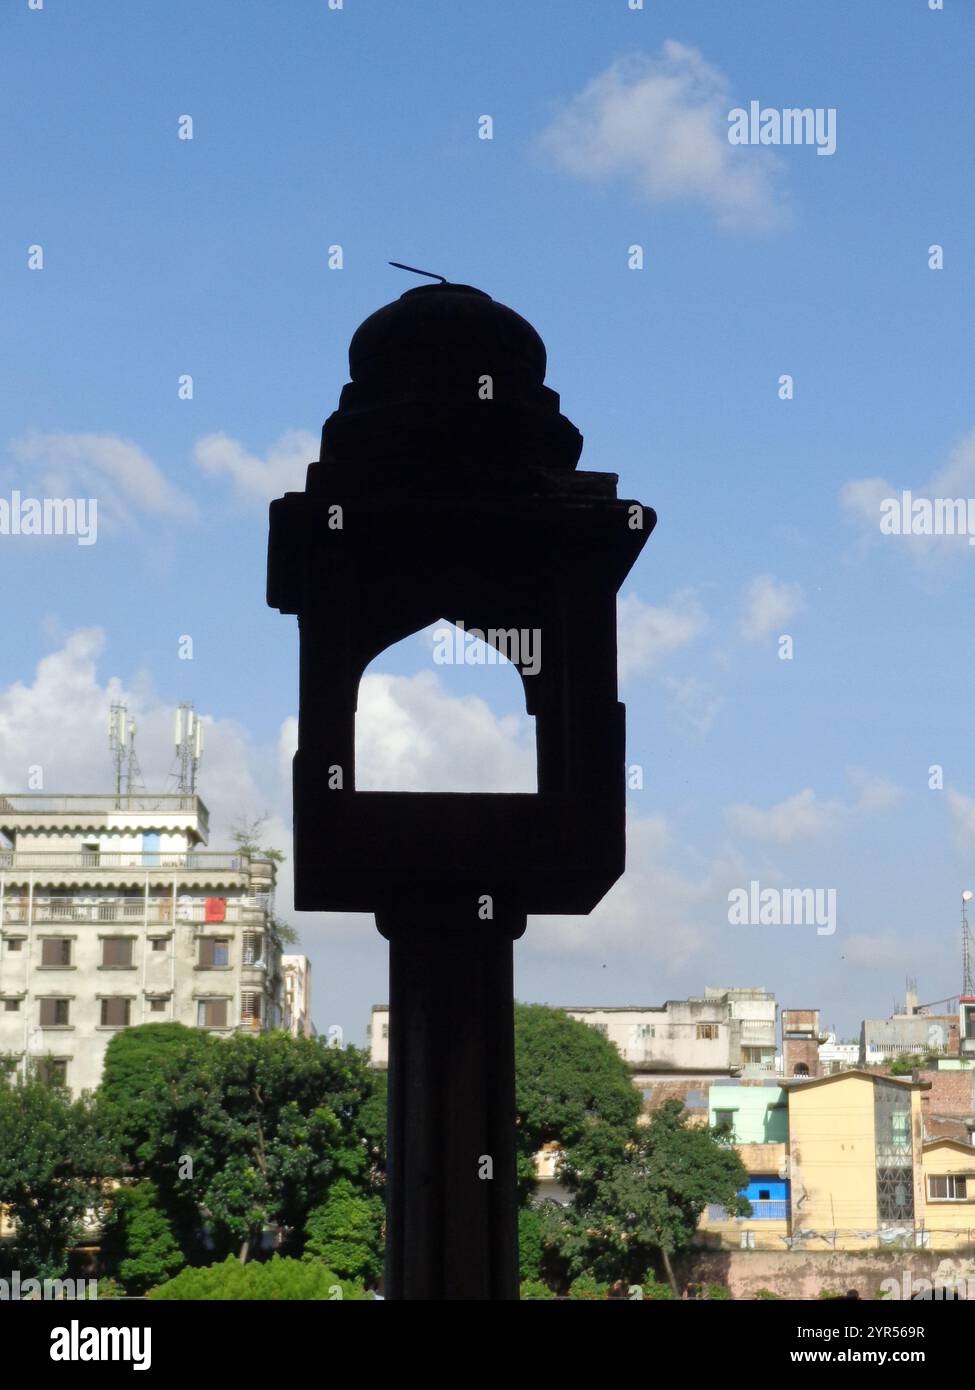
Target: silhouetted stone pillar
[[452, 1220], [447, 487]]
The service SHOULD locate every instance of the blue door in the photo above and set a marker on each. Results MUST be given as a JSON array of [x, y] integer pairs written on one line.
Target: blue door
[[151, 840]]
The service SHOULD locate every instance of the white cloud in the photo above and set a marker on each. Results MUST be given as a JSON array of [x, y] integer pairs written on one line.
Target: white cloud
[[861, 499], [875, 793], [662, 124], [805, 817], [694, 701], [647, 635], [961, 810], [411, 735], [770, 603], [254, 478], [657, 912], [116, 472], [799, 817]]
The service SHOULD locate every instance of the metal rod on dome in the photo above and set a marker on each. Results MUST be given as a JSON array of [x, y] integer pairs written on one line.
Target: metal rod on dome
[[432, 275]]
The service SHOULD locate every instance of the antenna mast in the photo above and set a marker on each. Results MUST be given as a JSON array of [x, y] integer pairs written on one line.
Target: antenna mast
[[189, 747], [121, 743], [968, 986]]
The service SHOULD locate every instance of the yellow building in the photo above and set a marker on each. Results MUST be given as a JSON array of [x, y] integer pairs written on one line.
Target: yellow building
[[949, 1190], [855, 1161]]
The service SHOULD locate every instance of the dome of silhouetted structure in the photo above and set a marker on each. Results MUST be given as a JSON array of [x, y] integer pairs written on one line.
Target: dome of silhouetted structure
[[446, 375]]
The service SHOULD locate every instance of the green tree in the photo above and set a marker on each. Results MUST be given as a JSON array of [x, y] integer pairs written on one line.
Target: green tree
[[138, 1243], [53, 1159], [573, 1088], [653, 1200], [276, 1279], [346, 1233], [242, 1132]]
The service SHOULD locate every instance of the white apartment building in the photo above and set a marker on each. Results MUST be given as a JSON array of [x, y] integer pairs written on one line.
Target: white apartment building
[[296, 974], [727, 1031], [113, 913]]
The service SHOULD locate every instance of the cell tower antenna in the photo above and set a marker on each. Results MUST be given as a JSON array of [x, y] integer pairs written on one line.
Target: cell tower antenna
[[127, 774], [968, 985], [188, 731]]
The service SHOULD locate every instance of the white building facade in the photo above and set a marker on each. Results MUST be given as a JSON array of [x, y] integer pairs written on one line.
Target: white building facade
[[296, 974], [114, 913]]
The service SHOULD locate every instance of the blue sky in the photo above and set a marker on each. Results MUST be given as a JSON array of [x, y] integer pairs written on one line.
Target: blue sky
[[359, 127]]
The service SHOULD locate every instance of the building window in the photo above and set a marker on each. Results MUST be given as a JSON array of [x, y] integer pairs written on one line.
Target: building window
[[948, 1189], [14, 943], [11, 1006], [117, 950], [54, 1013], [800, 1069], [214, 951], [250, 1007], [115, 1013], [211, 1013], [52, 1071], [724, 1122], [601, 1028], [56, 951], [707, 1031], [253, 948], [157, 1006]]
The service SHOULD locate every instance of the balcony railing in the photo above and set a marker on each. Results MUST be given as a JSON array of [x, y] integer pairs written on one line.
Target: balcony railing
[[157, 911], [47, 859], [776, 1210], [165, 803]]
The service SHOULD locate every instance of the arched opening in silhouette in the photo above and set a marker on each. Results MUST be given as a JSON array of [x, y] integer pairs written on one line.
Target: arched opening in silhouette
[[442, 711], [800, 1069]]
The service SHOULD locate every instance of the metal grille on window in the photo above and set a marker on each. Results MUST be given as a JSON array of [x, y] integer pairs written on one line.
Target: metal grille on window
[[895, 1153], [250, 1007]]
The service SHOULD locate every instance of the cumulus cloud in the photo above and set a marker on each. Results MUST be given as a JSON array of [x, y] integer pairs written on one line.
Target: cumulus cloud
[[805, 817], [116, 472], [694, 701], [257, 479], [799, 817], [961, 810], [769, 604], [411, 735], [663, 909], [648, 634], [862, 500], [661, 124]]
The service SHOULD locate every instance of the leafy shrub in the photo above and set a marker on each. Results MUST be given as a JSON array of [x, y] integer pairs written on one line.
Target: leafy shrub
[[138, 1243], [278, 1279], [587, 1287], [715, 1291], [535, 1289], [766, 1294], [345, 1233], [654, 1289], [109, 1288]]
